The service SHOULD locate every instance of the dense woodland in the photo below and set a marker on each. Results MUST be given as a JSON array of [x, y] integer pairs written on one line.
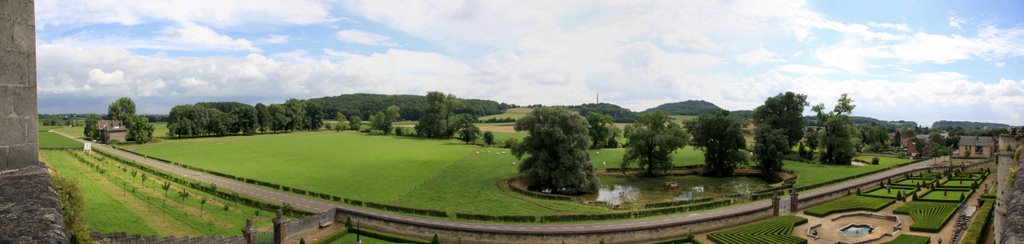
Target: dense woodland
[[365, 105], [690, 107]]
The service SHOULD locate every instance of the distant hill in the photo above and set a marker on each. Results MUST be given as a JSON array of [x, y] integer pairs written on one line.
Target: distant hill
[[690, 107], [967, 125], [411, 106], [861, 120], [618, 113]]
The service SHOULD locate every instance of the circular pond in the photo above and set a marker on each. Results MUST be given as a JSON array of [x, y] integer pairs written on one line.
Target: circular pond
[[616, 190]]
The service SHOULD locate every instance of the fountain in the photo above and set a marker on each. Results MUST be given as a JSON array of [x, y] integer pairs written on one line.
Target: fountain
[[856, 230]]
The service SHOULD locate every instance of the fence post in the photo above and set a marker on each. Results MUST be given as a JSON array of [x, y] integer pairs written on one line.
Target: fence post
[[247, 232], [279, 228], [794, 202]]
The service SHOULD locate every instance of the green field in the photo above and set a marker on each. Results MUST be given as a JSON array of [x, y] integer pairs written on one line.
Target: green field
[[770, 231], [116, 201], [955, 183], [612, 157], [49, 140], [910, 239], [514, 113], [890, 193], [847, 204], [810, 174], [928, 216], [912, 182], [946, 195]]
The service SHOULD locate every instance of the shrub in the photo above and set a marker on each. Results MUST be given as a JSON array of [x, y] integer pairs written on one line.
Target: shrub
[[774, 230], [72, 203], [511, 142], [910, 239], [982, 221], [874, 160], [928, 216]]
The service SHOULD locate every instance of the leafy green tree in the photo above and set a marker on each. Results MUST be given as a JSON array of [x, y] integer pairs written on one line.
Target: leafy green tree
[[122, 109], [812, 142], [280, 120], [556, 151], [355, 122], [314, 116], [770, 146], [263, 118], [467, 131], [141, 131], [383, 121], [247, 120], [601, 129], [438, 119], [721, 139], [342, 122], [295, 110], [91, 130], [652, 141], [936, 145], [783, 111], [836, 139], [489, 138]]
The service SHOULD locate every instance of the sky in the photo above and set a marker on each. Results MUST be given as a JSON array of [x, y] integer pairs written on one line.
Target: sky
[[898, 60]]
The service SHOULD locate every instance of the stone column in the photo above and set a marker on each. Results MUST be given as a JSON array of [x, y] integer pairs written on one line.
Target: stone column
[[19, 143], [775, 205], [1003, 165], [279, 228], [248, 231], [794, 202]]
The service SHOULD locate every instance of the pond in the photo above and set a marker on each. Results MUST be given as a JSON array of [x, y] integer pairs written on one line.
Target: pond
[[856, 230], [617, 190]]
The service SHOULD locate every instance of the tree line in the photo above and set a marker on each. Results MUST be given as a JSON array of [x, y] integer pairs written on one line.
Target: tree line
[[221, 119]]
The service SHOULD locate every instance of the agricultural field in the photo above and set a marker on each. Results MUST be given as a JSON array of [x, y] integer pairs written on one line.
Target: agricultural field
[[117, 199], [910, 239], [946, 195], [50, 140], [928, 216], [847, 204], [513, 113], [159, 131], [774, 230]]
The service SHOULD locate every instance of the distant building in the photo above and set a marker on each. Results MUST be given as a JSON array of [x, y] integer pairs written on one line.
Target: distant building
[[976, 146], [112, 130]]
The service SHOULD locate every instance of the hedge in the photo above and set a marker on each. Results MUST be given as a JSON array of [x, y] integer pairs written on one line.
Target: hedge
[[393, 208], [847, 204], [492, 218], [982, 221], [385, 236], [537, 194], [910, 239], [802, 188], [774, 230], [677, 203], [928, 216]]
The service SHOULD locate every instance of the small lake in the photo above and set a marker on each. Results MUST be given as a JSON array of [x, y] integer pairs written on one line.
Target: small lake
[[618, 190]]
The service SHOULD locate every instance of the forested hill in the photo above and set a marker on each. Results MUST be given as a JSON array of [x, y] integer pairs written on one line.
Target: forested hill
[[967, 125], [861, 120], [411, 106], [690, 107], [618, 113]]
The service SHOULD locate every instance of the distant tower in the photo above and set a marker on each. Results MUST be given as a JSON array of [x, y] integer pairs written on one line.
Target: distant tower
[[598, 97]]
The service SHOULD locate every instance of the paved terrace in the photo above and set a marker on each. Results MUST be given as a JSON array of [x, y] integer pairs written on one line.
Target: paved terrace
[[317, 205]]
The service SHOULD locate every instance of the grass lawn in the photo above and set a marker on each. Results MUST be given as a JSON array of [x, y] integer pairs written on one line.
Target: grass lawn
[[471, 184], [910, 239], [847, 204], [946, 195], [514, 113], [102, 211], [955, 183], [890, 193], [370, 168], [912, 182], [883, 160], [612, 157], [809, 174], [928, 216], [774, 230], [351, 238], [54, 141]]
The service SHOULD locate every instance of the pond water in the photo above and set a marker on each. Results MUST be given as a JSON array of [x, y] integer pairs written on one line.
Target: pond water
[[856, 230], [618, 190]]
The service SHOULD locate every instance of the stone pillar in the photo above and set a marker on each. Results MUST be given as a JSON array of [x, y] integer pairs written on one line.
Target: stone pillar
[[1003, 165], [794, 202], [19, 143], [279, 228], [248, 231], [775, 205]]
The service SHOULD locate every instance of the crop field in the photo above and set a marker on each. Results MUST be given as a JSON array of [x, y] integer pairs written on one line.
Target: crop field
[[928, 216], [774, 230], [946, 195], [890, 193], [117, 201], [514, 113], [847, 204], [910, 239], [810, 174], [50, 140]]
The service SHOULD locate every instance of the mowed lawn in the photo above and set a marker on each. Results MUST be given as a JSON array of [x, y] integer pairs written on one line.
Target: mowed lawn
[[809, 174], [612, 157], [54, 141], [371, 168]]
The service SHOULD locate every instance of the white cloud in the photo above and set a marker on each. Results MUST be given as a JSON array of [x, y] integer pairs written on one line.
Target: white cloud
[[225, 13], [804, 69], [890, 26], [98, 77], [758, 56], [204, 37], [955, 21], [365, 38], [276, 39]]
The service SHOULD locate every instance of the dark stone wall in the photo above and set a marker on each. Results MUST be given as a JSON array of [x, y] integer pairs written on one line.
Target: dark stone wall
[[1013, 222], [29, 209], [19, 143]]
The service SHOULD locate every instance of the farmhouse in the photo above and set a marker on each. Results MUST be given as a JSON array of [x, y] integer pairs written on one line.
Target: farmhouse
[[976, 146], [112, 130]]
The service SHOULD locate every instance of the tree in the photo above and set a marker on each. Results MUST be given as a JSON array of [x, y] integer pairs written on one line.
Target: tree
[[812, 142], [202, 203], [721, 139], [166, 186], [783, 111], [771, 144], [342, 122], [91, 131], [936, 145], [247, 120], [467, 131], [355, 122], [438, 118], [556, 151], [835, 139], [280, 117], [488, 138], [652, 141], [122, 109], [897, 140], [263, 118], [314, 116], [601, 129], [141, 131], [383, 121], [295, 110]]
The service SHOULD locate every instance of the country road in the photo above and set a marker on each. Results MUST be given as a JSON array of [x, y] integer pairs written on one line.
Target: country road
[[318, 205]]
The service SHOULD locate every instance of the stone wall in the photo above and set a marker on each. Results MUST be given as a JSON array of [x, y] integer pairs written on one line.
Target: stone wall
[[1012, 230], [19, 143], [450, 234]]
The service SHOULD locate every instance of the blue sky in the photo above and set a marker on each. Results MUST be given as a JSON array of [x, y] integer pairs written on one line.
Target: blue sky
[[909, 60]]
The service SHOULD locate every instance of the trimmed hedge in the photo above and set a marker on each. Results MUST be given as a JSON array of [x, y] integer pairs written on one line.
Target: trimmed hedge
[[677, 203], [928, 216], [850, 203], [982, 221], [385, 236], [910, 239], [771, 231], [505, 218], [393, 208], [802, 188]]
